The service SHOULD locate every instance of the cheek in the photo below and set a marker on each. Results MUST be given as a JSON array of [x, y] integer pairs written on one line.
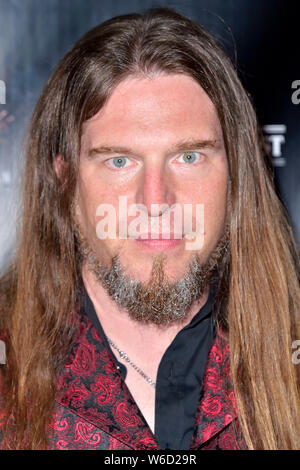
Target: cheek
[[215, 204], [211, 191], [91, 191], [89, 196]]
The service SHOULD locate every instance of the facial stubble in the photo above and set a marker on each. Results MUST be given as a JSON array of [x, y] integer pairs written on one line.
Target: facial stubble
[[156, 301]]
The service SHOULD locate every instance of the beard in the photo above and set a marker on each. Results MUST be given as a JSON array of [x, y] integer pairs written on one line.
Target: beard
[[156, 301]]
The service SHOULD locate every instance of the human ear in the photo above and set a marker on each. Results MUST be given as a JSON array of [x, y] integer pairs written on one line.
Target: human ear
[[60, 167]]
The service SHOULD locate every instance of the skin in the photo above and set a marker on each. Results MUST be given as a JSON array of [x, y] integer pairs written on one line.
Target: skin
[[150, 117]]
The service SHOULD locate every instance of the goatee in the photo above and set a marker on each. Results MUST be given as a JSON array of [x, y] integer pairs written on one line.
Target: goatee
[[157, 301]]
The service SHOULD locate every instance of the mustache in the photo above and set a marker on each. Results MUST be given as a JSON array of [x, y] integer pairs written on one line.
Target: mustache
[[156, 301]]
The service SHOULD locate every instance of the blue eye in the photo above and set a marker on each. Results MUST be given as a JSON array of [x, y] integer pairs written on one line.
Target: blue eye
[[118, 162], [189, 157]]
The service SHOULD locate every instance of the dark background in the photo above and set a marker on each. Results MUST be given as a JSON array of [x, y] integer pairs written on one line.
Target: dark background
[[261, 37]]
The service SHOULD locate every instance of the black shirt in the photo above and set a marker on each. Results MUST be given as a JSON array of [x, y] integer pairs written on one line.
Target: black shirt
[[179, 376]]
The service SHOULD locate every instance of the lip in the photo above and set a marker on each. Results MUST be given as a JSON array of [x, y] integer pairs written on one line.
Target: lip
[[159, 244], [151, 236]]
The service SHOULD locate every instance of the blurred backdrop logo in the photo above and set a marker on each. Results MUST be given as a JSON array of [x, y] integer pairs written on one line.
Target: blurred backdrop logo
[[296, 93], [275, 138], [2, 92]]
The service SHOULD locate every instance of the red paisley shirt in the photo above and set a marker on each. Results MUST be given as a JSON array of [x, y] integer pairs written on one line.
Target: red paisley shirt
[[95, 410]]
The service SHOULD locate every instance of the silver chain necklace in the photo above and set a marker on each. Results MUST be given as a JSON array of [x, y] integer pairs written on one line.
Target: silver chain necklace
[[123, 355]]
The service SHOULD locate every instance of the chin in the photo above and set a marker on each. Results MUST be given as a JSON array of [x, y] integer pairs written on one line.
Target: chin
[[140, 268]]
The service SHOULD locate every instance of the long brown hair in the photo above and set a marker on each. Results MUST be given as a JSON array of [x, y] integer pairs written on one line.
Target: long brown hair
[[259, 295]]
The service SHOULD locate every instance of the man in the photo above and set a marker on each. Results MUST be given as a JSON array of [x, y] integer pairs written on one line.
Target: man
[[154, 296]]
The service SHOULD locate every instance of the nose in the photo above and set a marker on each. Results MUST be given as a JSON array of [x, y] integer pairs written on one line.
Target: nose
[[155, 190]]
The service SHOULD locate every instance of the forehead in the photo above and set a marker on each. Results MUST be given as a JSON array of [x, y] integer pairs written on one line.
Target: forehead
[[162, 107]]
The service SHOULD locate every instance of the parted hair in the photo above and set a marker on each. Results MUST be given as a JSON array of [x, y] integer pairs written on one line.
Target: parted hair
[[258, 293]]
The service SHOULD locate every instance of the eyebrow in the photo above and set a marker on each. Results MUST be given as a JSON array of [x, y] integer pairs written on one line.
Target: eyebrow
[[183, 145]]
